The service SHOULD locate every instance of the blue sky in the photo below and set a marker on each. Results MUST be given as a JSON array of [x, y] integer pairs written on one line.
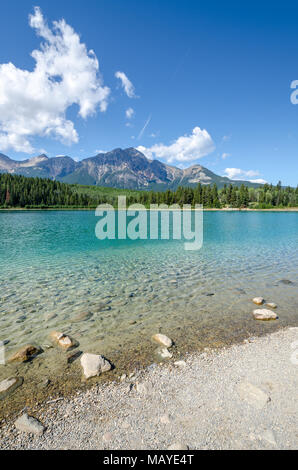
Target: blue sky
[[210, 79]]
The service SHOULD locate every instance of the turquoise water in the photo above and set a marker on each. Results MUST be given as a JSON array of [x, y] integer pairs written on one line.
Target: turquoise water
[[52, 268]]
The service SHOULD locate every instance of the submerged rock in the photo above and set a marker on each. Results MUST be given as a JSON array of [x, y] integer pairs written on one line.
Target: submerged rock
[[65, 342], [29, 424], [286, 282], [271, 305], [94, 365], [8, 386], [264, 314], [26, 353], [83, 316], [73, 356], [163, 340], [258, 300]]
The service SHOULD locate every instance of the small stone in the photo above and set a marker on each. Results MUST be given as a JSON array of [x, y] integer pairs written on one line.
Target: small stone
[[269, 437], [180, 363], [178, 446], [163, 340], [271, 305], [123, 377], [94, 365], [164, 353], [65, 342], [107, 437], [264, 314], [258, 300], [46, 383], [286, 282], [253, 395], [9, 385], [30, 425], [166, 419], [25, 354], [50, 316], [83, 316], [141, 388]]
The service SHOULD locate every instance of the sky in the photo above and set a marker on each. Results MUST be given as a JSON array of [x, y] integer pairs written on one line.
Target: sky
[[185, 82]]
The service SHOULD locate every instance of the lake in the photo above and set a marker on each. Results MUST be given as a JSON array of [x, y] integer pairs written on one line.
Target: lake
[[53, 268]]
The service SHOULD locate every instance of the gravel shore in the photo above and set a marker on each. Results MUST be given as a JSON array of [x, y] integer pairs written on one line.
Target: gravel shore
[[242, 397]]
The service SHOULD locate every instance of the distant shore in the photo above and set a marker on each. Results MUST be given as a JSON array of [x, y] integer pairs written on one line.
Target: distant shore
[[224, 209]]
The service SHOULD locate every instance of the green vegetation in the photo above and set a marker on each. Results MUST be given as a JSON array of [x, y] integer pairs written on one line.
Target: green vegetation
[[21, 192]]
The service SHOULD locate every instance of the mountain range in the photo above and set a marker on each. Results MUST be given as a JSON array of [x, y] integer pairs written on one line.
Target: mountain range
[[120, 168]]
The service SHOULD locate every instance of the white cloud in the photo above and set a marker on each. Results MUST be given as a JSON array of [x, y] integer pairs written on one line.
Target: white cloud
[[35, 103], [126, 84], [237, 173], [225, 155], [259, 180], [186, 148], [129, 113]]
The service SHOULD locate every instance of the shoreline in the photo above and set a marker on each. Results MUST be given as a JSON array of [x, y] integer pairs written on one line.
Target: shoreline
[[20, 209], [236, 397]]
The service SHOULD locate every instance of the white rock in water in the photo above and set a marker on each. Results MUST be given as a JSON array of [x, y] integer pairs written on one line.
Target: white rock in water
[[253, 395], [29, 424], [178, 446], [258, 300], [271, 305], [163, 340], [9, 385], [264, 314], [64, 341], [94, 365]]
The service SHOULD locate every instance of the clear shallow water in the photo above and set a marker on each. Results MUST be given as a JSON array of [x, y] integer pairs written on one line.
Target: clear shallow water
[[52, 268]]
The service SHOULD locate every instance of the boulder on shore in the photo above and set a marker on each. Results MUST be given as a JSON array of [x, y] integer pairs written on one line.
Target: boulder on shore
[[258, 300], [94, 365], [25, 353], [163, 340], [29, 424], [264, 314], [253, 395]]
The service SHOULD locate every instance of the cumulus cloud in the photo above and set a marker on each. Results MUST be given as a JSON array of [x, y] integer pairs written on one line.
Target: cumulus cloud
[[187, 148], [35, 103], [237, 173], [129, 113], [126, 84], [225, 155]]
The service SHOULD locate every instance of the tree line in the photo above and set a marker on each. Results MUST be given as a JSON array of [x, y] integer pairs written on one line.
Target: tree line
[[18, 191]]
